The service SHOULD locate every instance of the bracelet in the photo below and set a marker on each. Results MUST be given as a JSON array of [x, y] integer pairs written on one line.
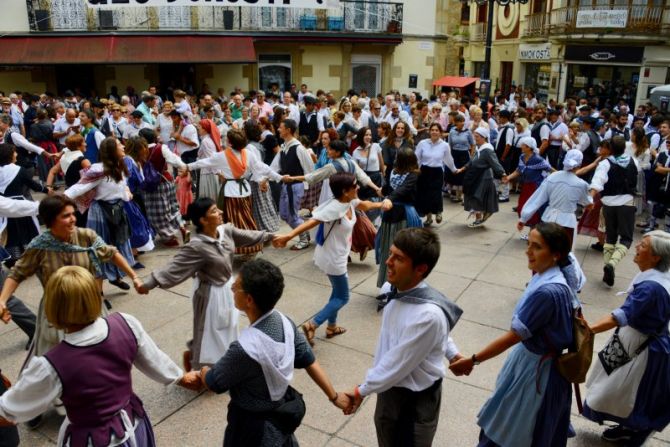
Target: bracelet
[[334, 398], [357, 393]]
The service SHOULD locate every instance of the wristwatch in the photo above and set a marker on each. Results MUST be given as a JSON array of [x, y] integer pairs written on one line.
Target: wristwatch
[[475, 362]]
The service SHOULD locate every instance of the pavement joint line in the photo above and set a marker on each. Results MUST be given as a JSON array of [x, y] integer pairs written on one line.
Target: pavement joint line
[[184, 405]]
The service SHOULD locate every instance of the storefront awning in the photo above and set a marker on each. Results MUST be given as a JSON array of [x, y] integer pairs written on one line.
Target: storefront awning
[[125, 49], [454, 81]]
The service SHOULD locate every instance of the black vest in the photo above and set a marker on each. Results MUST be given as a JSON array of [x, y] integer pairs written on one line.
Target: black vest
[[625, 133], [502, 139], [620, 180], [309, 128], [535, 132], [289, 163], [24, 158]]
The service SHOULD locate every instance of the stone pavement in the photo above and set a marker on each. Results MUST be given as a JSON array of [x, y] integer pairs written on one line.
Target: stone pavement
[[483, 270]]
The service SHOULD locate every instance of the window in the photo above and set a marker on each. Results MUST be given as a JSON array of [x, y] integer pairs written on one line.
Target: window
[[465, 13], [274, 69], [482, 13], [366, 73]]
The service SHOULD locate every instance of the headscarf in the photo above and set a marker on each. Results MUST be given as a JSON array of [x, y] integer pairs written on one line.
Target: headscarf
[[530, 142], [483, 132], [573, 159], [213, 132]]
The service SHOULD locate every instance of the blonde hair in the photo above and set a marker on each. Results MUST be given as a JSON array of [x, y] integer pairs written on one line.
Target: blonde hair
[[72, 297], [523, 122]]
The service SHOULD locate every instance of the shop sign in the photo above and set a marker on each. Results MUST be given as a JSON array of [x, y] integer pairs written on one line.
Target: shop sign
[[313, 4], [604, 54], [535, 52], [602, 18]]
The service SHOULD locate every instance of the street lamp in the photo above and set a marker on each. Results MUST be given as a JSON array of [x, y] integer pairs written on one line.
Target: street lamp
[[485, 75]]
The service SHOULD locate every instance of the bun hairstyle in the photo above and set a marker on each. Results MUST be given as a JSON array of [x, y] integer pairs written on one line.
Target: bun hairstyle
[[197, 210]]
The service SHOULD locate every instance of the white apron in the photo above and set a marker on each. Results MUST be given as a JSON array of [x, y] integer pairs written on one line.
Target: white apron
[[221, 322]]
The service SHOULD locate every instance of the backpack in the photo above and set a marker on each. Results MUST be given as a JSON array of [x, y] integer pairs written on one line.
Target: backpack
[[351, 169]]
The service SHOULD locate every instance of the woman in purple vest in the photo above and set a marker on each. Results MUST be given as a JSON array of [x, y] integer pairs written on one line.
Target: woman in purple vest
[[101, 407]]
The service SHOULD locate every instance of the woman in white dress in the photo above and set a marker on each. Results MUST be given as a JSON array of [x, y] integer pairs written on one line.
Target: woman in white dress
[[210, 144]]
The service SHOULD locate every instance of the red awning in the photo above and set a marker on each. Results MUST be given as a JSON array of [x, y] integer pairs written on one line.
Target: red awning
[[125, 49], [455, 81]]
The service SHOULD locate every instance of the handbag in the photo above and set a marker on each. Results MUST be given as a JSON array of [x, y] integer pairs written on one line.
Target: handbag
[[288, 416], [614, 354], [574, 364]]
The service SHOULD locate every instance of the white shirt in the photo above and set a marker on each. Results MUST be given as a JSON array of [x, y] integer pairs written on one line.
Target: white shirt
[[293, 112], [165, 127], [39, 383], [369, 163], [402, 116], [306, 162], [413, 342], [219, 162], [118, 127], [558, 130], [563, 190], [190, 133], [131, 129], [207, 149], [20, 141], [435, 155], [598, 181], [68, 157], [62, 125], [17, 208], [583, 142], [106, 188], [331, 257]]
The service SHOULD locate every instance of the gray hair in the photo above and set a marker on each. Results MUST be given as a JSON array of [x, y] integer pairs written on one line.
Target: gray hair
[[660, 246]]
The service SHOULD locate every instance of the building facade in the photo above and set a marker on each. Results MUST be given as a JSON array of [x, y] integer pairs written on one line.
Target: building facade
[[377, 45], [561, 48]]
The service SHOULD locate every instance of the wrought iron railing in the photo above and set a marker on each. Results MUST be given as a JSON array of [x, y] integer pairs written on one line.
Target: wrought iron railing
[[641, 20], [351, 16]]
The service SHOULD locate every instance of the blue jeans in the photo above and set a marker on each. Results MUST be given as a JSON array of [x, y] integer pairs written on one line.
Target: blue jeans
[[338, 298]]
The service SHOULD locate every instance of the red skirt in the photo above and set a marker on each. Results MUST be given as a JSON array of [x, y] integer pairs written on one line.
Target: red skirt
[[527, 190], [363, 235], [590, 221]]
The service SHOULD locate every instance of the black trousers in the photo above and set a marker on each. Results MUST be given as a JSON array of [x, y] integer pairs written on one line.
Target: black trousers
[[619, 224], [406, 418], [21, 315]]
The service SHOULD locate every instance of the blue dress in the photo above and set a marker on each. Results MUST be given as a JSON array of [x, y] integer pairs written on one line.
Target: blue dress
[[141, 233], [529, 381], [647, 309]]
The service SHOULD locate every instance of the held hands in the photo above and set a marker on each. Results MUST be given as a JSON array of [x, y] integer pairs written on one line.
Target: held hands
[[5, 315], [263, 186], [139, 286], [379, 192], [387, 205], [343, 402], [463, 366], [287, 179], [355, 399], [280, 240], [519, 226], [192, 381], [505, 179]]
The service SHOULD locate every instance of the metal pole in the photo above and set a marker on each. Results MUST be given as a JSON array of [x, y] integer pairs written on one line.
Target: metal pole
[[486, 68]]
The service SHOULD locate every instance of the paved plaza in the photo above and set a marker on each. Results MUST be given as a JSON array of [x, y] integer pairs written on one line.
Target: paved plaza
[[483, 270]]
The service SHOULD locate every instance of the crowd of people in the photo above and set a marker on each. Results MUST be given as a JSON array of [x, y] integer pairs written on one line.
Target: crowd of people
[[369, 175]]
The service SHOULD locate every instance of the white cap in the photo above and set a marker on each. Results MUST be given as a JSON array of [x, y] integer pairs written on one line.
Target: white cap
[[573, 159], [530, 142], [483, 132]]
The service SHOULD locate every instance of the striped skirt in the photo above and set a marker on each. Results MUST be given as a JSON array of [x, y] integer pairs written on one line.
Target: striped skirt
[[163, 210], [263, 209], [237, 210]]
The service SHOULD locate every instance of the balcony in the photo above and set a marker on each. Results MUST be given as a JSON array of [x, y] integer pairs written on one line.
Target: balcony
[[642, 21], [374, 17], [477, 32]]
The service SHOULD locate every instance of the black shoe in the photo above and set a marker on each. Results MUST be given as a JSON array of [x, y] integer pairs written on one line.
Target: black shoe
[[120, 284], [515, 209], [138, 266], [501, 200], [608, 274], [598, 247], [618, 433], [34, 423]]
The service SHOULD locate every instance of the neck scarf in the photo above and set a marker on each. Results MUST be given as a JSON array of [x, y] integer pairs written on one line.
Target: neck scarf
[[237, 166], [213, 132], [47, 241]]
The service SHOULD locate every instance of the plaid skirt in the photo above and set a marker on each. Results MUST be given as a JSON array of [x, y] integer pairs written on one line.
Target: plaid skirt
[[263, 209], [311, 197], [96, 222], [162, 210], [237, 210]]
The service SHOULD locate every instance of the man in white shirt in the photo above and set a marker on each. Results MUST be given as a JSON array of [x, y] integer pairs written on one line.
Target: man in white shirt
[[136, 123], [186, 138], [413, 341], [292, 110], [303, 91], [557, 130], [292, 160], [66, 126]]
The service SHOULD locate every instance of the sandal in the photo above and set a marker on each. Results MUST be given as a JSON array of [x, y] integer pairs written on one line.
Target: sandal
[[301, 245], [333, 331], [308, 329]]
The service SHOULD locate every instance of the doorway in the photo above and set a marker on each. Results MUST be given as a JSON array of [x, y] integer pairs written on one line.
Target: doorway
[[176, 76], [506, 69], [78, 78]]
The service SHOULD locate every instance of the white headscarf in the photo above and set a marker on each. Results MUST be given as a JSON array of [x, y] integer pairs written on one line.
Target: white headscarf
[[531, 143], [573, 159]]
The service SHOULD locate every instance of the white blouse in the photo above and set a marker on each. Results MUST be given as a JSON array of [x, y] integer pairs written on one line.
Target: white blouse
[[206, 150], [39, 384], [370, 162], [435, 155], [106, 188]]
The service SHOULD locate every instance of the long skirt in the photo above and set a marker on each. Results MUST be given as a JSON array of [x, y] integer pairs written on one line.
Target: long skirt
[[141, 234], [540, 418], [263, 209], [429, 191], [237, 210], [96, 222], [184, 193], [589, 224], [311, 197], [461, 158], [484, 198], [209, 186], [163, 210], [363, 235], [527, 190]]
